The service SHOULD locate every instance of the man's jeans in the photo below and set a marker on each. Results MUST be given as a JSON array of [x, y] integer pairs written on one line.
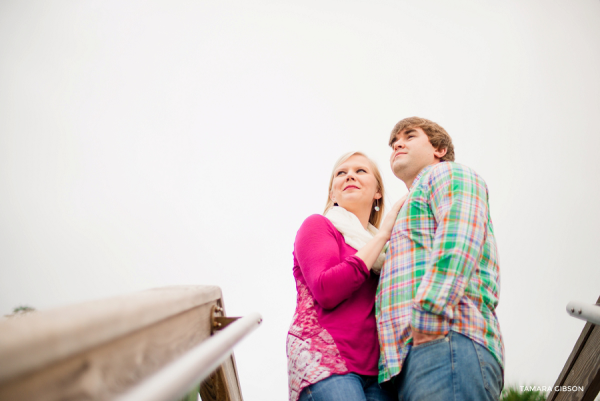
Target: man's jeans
[[349, 387], [454, 368]]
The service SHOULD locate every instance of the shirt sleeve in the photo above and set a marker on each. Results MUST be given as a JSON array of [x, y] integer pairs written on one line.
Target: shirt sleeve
[[330, 279], [458, 201]]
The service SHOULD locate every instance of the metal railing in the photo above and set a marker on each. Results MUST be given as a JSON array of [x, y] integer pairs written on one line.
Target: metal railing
[[588, 312], [181, 375]]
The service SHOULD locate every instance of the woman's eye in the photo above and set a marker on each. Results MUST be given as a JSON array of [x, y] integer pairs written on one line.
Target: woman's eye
[[340, 173], [362, 169]]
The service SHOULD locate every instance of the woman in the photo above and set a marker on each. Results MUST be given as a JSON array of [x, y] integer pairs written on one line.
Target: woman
[[332, 344]]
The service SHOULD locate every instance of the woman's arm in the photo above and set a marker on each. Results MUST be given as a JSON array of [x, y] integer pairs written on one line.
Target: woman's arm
[[330, 279]]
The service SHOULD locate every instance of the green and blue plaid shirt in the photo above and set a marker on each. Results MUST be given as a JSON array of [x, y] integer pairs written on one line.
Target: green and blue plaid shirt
[[441, 272]]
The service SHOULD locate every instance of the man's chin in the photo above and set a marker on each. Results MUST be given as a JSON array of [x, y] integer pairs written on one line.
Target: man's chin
[[399, 170]]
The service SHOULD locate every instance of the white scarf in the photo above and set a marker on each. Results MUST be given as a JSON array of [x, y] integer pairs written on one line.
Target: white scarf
[[354, 233]]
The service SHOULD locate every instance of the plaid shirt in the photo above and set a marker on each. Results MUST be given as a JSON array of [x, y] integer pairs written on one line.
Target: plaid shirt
[[441, 272]]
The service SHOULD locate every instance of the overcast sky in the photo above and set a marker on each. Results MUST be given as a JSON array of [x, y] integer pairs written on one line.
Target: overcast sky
[[153, 143]]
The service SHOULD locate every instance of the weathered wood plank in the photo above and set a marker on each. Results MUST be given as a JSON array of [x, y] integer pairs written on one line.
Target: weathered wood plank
[[594, 388], [582, 368], [586, 369], [44, 338]]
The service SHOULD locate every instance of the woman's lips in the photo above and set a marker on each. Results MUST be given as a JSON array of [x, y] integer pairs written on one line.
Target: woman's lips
[[351, 186]]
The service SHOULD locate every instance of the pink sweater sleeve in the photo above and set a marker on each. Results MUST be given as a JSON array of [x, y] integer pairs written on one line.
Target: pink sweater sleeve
[[330, 279]]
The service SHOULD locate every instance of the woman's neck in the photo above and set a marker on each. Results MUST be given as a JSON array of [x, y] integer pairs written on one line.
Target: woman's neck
[[363, 214]]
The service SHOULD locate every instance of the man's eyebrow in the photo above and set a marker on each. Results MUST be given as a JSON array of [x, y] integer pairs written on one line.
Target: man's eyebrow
[[404, 132]]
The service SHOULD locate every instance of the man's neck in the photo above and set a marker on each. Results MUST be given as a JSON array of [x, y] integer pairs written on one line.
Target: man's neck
[[410, 181]]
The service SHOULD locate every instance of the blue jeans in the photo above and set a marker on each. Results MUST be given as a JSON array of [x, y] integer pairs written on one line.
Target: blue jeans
[[348, 387], [454, 368]]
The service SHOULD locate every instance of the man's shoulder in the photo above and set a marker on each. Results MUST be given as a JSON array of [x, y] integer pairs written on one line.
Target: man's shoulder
[[452, 171], [446, 167]]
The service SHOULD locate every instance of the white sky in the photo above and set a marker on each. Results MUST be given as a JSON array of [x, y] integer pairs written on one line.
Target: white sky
[[154, 143]]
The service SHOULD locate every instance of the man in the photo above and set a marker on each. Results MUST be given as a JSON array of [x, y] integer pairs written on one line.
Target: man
[[438, 292]]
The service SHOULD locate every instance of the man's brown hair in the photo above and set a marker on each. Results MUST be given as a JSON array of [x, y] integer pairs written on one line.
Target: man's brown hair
[[438, 137]]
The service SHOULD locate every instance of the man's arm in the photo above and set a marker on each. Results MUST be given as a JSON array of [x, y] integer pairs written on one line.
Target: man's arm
[[458, 200]]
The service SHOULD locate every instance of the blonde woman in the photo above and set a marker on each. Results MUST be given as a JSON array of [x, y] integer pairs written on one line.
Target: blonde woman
[[332, 344]]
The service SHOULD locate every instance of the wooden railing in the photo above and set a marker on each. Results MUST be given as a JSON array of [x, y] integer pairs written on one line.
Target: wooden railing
[[106, 349], [580, 377]]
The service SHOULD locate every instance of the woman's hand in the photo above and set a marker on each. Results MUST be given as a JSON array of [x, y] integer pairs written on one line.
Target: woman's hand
[[386, 227], [371, 250]]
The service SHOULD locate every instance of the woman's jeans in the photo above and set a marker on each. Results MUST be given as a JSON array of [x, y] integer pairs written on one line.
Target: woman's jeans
[[348, 387], [454, 368]]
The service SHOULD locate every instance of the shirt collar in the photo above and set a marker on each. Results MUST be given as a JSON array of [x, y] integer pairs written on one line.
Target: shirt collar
[[423, 171]]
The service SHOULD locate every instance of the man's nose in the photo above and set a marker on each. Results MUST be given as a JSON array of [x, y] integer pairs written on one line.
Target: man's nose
[[398, 144]]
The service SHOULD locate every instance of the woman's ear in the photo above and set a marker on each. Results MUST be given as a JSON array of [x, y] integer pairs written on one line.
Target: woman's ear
[[377, 195]]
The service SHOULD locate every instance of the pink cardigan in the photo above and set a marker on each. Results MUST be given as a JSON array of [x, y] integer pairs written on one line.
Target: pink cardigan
[[333, 330]]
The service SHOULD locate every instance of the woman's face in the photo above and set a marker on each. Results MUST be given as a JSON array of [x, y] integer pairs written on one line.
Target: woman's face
[[354, 185]]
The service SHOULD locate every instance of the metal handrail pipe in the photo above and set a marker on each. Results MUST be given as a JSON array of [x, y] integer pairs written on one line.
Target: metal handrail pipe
[[588, 312], [177, 378]]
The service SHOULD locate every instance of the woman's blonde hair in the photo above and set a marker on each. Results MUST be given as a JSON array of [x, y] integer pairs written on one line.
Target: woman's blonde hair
[[376, 216]]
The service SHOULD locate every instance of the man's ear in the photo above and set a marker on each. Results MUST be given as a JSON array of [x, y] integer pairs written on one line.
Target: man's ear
[[439, 153]]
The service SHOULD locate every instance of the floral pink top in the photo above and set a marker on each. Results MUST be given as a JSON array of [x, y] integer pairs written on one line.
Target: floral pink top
[[333, 330]]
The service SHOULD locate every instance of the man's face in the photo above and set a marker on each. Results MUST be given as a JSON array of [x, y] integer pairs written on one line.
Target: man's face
[[412, 152]]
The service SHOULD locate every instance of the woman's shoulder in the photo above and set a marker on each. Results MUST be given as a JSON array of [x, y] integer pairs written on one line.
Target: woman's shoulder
[[316, 221]]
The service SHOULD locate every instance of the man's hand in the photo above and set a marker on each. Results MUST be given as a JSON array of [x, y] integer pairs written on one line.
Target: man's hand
[[422, 338]]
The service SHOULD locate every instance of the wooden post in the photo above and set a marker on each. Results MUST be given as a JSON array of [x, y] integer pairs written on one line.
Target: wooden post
[[100, 349], [223, 384], [582, 368]]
